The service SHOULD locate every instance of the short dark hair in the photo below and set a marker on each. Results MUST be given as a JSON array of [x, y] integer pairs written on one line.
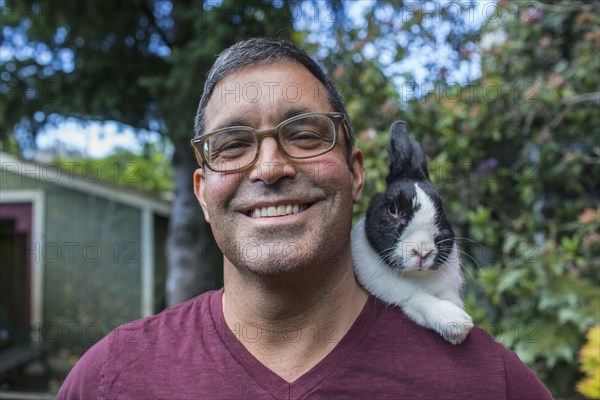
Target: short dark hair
[[263, 51]]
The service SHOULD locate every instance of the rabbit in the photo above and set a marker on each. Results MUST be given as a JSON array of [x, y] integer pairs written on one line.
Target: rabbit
[[404, 251]]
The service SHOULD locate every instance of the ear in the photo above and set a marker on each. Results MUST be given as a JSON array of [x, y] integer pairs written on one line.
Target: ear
[[357, 168], [419, 159], [399, 151], [200, 191]]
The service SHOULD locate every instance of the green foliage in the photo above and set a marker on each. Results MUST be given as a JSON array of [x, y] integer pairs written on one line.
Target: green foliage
[[151, 172], [374, 150]]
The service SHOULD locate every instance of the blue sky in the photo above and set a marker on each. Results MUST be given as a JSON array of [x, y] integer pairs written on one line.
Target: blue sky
[[95, 140]]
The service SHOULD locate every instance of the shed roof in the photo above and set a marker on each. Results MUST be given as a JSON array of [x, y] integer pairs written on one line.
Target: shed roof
[[52, 173]]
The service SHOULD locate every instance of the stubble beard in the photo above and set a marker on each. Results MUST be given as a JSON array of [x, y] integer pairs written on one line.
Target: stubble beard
[[275, 254], [278, 252]]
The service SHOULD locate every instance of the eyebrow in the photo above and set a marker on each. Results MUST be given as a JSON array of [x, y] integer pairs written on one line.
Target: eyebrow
[[234, 121], [292, 112], [237, 121]]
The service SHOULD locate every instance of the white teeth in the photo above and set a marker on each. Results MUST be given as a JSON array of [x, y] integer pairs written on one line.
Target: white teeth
[[277, 211]]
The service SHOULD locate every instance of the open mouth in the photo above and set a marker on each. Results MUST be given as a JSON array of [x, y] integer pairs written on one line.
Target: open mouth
[[277, 211]]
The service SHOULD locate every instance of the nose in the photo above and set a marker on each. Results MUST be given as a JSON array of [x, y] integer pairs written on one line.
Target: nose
[[272, 164], [422, 254]]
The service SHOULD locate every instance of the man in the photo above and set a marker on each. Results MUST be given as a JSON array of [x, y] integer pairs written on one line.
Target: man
[[278, 177]]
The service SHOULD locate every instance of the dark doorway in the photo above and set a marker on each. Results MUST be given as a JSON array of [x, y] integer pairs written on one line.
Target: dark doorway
[[15, 273]]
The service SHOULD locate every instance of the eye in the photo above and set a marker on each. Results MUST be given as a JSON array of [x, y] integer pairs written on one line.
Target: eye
[[229, 144], [234, 145], [305, 137], [307, 133], [394, 211], [397, 213]]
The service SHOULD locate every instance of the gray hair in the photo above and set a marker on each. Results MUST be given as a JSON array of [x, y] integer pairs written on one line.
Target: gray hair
[[263, 51]]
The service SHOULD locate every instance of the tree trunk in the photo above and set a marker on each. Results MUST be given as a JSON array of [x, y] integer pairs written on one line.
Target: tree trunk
[[194, 260]]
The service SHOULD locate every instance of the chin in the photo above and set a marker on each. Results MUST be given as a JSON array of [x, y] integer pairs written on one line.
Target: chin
[[274, 268], [306, 259], [271, 258]]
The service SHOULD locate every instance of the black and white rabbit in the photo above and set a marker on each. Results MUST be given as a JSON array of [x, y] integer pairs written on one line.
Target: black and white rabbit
[[404, 251]]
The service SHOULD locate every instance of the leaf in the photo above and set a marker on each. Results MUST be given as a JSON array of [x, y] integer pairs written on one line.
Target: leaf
[[510, 278]]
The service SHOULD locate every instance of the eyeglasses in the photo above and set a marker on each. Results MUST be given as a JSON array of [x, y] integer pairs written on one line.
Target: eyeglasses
[[235, 148]]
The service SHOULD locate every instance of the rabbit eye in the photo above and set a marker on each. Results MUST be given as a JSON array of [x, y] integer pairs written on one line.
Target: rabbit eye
[[398, 214], [394, 211]]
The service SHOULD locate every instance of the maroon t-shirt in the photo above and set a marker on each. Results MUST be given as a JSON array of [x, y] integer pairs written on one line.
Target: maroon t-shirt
[[187, 352]]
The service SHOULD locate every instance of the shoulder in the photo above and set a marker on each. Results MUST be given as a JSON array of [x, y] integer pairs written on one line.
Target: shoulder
[[482, 362], [521, 381], [132, 344], [169, 325], [82, 382]]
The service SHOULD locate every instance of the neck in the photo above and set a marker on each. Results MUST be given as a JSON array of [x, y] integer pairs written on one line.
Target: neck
[[295, 305]]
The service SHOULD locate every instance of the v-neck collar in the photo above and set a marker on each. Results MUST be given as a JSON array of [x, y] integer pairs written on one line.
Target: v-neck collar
[[278, 387]]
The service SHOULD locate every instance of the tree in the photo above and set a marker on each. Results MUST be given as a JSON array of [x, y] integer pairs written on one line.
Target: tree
[[141, 64]]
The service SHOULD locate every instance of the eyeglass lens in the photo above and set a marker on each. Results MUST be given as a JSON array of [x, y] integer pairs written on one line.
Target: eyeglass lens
[[301, 138]]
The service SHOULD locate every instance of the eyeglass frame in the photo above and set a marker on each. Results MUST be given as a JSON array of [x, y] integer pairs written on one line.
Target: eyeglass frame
[[199, 141]]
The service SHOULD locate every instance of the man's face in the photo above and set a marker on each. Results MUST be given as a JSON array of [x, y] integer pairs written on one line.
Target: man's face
[[319, 191]]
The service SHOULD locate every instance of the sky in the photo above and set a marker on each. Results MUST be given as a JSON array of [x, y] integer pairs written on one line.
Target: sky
[[96, 140]]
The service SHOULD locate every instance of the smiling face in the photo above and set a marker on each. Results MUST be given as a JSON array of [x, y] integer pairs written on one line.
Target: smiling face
[[280, 214]]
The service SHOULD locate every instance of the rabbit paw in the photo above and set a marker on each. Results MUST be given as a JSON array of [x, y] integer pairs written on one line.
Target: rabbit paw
[[452, 322]]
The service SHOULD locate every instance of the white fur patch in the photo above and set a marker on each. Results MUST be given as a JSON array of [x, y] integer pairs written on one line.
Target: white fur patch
[[419, 234]]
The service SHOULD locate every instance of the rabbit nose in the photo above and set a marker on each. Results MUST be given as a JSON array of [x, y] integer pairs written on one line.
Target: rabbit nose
[[422, 254]]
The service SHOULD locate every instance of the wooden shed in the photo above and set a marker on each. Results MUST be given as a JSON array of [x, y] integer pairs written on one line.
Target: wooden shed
[[78, 255]]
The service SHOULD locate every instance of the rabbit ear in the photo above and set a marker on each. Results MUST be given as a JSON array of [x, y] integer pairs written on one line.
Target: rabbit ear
[[399, 151], [407, 158], [419, 161]]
